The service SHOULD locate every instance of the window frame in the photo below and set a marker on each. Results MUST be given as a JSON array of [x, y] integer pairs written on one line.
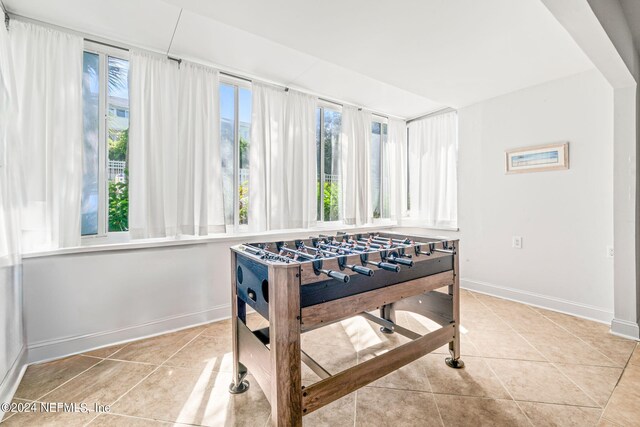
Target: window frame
[[104, 52], [384, 122], [237, 84], [322, 104]]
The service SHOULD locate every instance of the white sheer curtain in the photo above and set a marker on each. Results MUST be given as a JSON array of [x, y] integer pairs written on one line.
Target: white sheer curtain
[[11, 323], [48, 76], [200, 198], [153, 146], [300, 161], [10, 182], [433, 156], [282, 192], [355, 142], [174, 155], [266, 167], [395, 169]]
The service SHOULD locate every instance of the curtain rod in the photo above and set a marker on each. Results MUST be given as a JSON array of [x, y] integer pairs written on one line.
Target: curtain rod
[[125, 47], [171, 58], [431, 114]]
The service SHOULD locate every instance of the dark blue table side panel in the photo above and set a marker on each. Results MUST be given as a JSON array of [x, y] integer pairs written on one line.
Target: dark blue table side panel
[[254, 275]]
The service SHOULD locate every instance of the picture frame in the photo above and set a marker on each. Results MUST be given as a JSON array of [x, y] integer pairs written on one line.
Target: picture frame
[[537, 158]]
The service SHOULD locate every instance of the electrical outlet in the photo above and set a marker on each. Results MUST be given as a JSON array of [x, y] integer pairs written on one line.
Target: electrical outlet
[[516, 242], [609, 251]]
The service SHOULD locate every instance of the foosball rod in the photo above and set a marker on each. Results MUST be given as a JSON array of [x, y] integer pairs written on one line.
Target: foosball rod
[[357, 268], [402, 243], [393, 258], [335, 240], [333, 274], [373, 245], [382, 265], [263, 253], [406, 241], [432, 248]]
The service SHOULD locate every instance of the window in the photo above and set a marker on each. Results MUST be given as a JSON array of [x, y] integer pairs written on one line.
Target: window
[[328, 125], [379, 200], [235, 126], [432, 170], [105, 92]]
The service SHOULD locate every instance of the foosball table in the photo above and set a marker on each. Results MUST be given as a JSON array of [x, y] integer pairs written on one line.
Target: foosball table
[[302, 285]]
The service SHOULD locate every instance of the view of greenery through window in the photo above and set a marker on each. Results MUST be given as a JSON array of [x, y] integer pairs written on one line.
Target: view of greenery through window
[[116, 104], [235, 108], [118, 140], [235, 125], [328, 124]]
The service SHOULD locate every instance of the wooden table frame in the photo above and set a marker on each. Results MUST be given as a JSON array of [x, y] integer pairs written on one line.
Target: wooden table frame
[[273, 355]]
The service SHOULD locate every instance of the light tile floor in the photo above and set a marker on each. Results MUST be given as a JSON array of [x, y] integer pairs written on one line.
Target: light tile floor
[[524, 366]]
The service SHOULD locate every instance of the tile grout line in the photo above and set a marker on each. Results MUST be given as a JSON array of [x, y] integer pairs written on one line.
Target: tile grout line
[[544, 361], [545, 357], [70, 379], [140, 418], [426, 374], [496, 375], [510, 399], [6, 418], [120, 360], [571, 333], [38, 399], [148, 375], [604, 408], [355, 394], [11, 414], [435, 402]]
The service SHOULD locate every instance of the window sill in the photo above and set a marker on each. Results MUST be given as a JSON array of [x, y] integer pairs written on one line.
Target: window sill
[[416, 223], [106, 243]]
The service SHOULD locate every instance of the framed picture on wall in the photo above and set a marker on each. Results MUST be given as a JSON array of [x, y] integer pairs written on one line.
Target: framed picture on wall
[[538, 158]]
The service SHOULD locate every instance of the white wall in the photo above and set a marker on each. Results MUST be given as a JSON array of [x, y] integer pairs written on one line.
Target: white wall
[[80, 301], [564, 217]]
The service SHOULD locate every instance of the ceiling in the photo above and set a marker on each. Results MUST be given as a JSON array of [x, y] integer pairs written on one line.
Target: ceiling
[[404, 58]]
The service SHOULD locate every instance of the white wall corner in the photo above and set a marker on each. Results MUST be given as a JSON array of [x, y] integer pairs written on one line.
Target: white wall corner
[[57, 348], [11, 381], [625, 329], [572, 308]]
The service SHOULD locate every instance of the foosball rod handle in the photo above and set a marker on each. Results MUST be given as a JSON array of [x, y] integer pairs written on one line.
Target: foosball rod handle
[[336, 275], [386, 266], [360, 269], [403, 261], [446, 251], [433, 249]]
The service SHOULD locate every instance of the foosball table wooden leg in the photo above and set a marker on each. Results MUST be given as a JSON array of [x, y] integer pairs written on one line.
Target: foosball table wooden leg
[[454, 290], [238, 313], [284, 332], [387, 312]]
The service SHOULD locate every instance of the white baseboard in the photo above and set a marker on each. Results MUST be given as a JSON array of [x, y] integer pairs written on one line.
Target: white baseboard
[[543, 301], [625, 329], [11, 381], [62, 347]]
